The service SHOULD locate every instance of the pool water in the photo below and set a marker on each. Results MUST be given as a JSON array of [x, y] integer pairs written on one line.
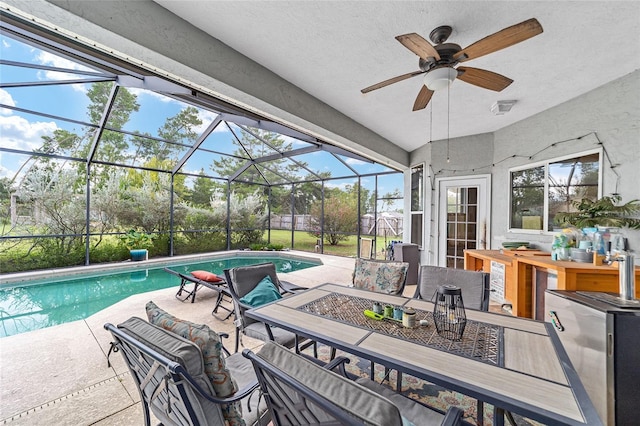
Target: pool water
[[44, 304]]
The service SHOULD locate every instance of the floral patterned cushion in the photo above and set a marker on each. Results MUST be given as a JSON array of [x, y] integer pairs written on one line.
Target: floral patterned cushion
[[214, 360], [378, 276]]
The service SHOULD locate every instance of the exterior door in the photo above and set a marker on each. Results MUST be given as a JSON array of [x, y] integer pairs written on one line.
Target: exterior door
[[463, 218]]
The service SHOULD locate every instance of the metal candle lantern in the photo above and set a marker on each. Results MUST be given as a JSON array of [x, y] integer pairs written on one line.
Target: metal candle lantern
[[448, 312]]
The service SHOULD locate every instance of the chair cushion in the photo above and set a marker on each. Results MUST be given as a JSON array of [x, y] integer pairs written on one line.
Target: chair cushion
[[381, 277], [474, 284], [412, 412], [207, 276], [185, 353], [244, 374], [263, 293], [244, 278], [172, 346], [213, 356], [257, 330], [353, 398]]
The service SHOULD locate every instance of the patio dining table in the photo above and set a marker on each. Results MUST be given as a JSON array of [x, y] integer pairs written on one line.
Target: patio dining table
[[515, 364]]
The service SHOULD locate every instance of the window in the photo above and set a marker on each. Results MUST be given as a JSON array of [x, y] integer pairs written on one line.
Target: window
[[539, 192], [417, 204]]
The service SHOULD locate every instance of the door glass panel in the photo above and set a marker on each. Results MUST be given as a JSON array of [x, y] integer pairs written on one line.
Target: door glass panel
[[461, 223], [416, 229]]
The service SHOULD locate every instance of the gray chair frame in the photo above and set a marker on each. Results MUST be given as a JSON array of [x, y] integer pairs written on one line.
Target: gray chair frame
[[219, 287], [167, 386], [241, 280], [293, 402]]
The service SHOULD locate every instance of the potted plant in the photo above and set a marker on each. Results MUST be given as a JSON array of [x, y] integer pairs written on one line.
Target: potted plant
[[138, 244], [604, 212]]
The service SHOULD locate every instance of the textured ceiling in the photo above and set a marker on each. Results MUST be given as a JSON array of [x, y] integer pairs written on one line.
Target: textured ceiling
[[332, 49]]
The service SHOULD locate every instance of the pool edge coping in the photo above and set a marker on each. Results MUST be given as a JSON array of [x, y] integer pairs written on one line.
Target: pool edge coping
[[22, 277]]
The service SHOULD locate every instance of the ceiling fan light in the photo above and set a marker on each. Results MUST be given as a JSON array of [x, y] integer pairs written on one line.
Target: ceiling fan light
[[440, 78]]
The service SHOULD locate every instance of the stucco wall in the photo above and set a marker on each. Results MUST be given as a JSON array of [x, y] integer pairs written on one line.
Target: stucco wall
[[612, 112]]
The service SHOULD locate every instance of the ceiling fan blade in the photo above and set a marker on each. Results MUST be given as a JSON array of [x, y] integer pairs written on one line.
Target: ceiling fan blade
[[418, 45], [424, 96], [483, 78], [391, 81], [500, 40]]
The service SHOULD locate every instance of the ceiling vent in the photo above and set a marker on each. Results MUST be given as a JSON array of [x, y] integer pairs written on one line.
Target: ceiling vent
[[502, 107]]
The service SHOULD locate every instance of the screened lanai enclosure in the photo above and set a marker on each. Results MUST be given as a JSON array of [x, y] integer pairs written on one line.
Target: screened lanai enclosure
[[97, 152]]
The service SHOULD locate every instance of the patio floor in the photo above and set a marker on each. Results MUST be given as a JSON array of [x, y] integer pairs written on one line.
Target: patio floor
[[59, 375]]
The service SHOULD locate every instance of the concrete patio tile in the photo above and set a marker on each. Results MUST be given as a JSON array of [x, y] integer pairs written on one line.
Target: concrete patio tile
[[130, 416], [59, 375], [47, 364], [83, 407]]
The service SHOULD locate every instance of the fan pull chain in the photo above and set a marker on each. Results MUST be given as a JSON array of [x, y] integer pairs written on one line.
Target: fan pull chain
[[448, 115]]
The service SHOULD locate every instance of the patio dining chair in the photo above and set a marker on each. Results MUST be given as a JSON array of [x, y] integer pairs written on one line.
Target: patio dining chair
[[380, 276], [474, 285], [251, 286], [174, 381], [475, 295], [299, 391], [203, 279]]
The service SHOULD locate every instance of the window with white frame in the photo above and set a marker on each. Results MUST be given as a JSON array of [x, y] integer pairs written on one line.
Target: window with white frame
[[417, 204], [539, 191]]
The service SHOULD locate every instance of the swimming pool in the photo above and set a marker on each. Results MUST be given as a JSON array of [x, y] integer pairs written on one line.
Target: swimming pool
[[44, 303]]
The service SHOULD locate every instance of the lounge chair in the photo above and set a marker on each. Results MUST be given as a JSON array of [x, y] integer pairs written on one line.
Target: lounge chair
[[300, 392], [219, 286]]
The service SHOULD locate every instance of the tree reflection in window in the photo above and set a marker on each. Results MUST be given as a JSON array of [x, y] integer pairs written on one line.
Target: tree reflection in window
[[552, 187]]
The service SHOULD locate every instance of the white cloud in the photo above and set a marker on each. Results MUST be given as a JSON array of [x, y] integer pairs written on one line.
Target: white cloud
[[49, 59], [5, 43], [207, 117], [354, 161], [6, 99], [19, 133]]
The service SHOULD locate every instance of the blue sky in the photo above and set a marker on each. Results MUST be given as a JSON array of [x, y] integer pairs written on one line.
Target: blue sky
[[23, 131]]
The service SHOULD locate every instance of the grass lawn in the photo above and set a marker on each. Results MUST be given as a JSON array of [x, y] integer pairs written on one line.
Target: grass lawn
[[305, 242]]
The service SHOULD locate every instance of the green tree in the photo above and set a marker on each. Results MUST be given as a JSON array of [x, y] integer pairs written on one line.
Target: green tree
[[340, 215], [113, 146], [202, 191], [247, 213], [388, 200], [251, 147], [147, 206], [5, 201], [176, 130], [527, 196], [59, 208]]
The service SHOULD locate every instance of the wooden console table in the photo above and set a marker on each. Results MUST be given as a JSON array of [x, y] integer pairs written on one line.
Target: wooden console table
[[527, 276]]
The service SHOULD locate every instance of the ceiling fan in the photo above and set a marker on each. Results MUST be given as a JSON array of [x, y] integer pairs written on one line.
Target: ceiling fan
[[437, 62]]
